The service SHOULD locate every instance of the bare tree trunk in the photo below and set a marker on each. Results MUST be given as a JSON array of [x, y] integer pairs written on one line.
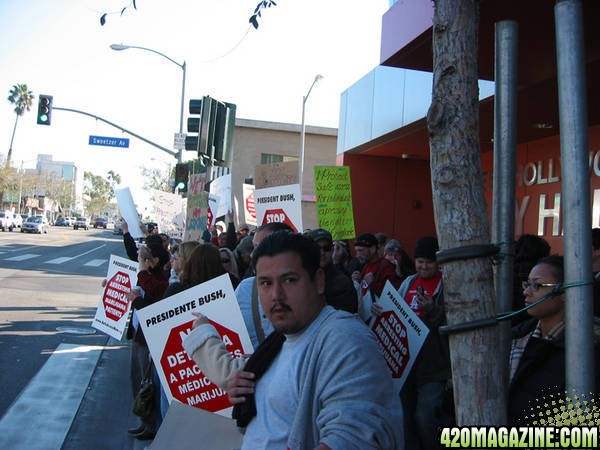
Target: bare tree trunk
[[460, 212], [9, 156]]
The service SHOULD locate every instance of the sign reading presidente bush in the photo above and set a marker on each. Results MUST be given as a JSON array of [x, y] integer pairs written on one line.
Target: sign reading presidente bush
[[400, 334], [113, 308], [167, 322], [279, 204]]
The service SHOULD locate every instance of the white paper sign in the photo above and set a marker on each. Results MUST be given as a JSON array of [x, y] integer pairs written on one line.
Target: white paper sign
[[279, 204], [249, 208], [400, 333], [128, 212], [213, 205], [113, 308], [169, 212], [166, 322], [221, 187]]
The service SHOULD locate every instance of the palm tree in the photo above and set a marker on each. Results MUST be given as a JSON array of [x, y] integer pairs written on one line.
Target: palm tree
[[22, 98]]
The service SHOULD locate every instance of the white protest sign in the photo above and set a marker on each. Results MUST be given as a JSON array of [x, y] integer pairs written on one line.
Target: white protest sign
[[400, 333], [166, 322], [128, 212], [169, 212], [113, 308], [279, 204], [221, 187], [249, 208]]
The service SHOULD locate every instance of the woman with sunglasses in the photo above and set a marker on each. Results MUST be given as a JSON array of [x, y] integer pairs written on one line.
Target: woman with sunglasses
[[537, 357]]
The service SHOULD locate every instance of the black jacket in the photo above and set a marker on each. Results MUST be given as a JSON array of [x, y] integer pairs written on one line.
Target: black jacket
[[541, 372]]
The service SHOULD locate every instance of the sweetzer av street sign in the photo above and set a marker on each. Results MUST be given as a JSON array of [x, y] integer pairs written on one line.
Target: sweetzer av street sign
[[106, 141]]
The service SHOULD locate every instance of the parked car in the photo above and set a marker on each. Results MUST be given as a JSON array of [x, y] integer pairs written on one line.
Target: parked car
[[100, 222], [35, 224], [81, 222], [61, 222], [117, 227], [7, 220]]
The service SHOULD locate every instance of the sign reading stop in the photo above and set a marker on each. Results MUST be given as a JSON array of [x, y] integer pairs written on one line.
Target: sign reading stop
[[278, 215], [115, 296], [187, 382], [393, 340]]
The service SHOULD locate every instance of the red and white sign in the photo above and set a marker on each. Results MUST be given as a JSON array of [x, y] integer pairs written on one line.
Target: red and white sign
[[279, 204], [249, 207], [213, 202], [113, 309], [167, 322], [400, 334]]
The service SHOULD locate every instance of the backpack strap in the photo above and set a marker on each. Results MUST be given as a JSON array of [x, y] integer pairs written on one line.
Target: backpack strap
[[260, 333]]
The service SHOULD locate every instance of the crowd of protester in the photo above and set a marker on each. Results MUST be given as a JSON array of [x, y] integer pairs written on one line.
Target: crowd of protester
[[331, 291]]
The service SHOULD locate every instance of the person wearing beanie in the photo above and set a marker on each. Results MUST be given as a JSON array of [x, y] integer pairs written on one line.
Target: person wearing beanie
[[425, 388], [375, 272]]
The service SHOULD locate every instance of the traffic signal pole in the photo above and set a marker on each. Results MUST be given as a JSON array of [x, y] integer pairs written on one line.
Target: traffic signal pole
[[147, 141]]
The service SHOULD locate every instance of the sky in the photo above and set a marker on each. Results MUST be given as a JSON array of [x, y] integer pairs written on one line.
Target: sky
[[59, 48]]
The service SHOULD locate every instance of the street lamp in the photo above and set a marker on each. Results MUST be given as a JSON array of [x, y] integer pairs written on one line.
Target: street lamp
[[302, 132], [119, 47]]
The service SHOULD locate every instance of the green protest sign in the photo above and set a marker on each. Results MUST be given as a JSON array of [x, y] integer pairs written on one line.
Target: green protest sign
[[334, 201]]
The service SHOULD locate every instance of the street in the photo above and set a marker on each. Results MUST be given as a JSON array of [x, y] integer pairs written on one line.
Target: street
[[64, 384]]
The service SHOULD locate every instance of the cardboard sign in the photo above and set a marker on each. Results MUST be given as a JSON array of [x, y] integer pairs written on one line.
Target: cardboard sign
[[196, 217], [169, 213], [113, 309], [400, 334], [334, 201], [279, 204], [166, 322], [129, 212], [277, 174], [213, 206], [221, 189], [249, 206]]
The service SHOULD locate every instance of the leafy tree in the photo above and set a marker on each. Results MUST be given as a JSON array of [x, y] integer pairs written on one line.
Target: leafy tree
[[158, 179], [22, 98], [99, 191]]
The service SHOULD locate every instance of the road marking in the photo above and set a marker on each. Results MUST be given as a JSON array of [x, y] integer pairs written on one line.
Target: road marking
[[22, 257], [62, 259], [90, 251], [41, 416], [95, 262]]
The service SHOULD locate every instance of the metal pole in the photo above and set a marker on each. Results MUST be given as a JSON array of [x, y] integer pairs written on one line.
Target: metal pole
[[575, 195], [302, 134], [505, 150], [180, 151]]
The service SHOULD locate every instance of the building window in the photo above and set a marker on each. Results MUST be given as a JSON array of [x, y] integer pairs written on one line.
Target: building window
[[270, 158]]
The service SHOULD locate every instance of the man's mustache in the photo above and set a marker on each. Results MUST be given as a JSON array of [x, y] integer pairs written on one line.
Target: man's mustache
[[282, 306]]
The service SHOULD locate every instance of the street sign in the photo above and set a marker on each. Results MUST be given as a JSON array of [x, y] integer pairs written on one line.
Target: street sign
[[109, 141], [179, 141]]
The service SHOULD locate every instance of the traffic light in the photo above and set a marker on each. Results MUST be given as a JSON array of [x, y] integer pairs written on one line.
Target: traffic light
[[214, 125], [181, 176], [44, 115]]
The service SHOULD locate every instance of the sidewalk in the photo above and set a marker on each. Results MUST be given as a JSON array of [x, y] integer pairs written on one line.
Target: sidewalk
[[105, 413]]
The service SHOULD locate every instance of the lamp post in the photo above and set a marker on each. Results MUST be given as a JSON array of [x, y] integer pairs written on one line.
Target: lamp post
[[119, 47], [302, 132]]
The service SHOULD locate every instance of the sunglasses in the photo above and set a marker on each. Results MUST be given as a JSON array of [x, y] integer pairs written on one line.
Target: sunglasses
[[536, 286]]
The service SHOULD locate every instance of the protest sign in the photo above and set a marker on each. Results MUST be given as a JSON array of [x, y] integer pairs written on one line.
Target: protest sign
[[165, 323], [334, 201], [400, 334], [221, 188], [129, 212], [249, 207], [169, 213], [279, 204], [276, 174], [113, 309], [213, 205]]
